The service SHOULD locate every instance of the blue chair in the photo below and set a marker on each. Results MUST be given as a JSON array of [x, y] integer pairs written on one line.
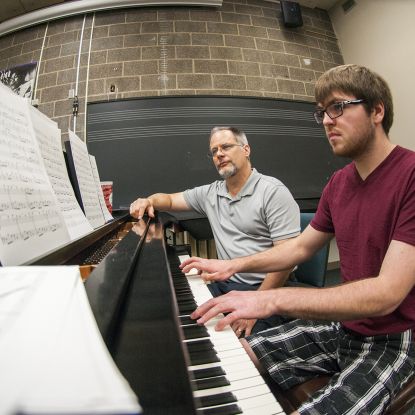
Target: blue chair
[[313, 271]]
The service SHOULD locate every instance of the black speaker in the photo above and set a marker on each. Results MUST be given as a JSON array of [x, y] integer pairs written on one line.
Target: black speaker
[[291, 13]]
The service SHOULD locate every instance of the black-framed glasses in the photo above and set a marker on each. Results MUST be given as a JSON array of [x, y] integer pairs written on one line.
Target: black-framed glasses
[[225, 148], [334, 110]]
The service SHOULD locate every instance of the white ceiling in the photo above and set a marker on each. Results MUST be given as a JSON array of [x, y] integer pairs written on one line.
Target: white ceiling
[[13, 8]]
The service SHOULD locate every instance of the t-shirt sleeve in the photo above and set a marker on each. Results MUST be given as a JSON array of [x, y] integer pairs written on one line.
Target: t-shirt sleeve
[[322, 220], [405, 225], [282, 214], [196, 198]]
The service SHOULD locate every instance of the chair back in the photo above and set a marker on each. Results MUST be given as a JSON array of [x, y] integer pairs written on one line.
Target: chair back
[[313, 271]]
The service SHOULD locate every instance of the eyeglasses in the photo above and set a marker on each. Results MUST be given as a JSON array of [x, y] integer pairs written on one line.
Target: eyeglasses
[[334, 110], [225, 148]]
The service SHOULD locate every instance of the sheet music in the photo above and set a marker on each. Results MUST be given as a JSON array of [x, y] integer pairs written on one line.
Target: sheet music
[[86, 181], [55, 362], [49, 138], [30, 220], [105, 211]]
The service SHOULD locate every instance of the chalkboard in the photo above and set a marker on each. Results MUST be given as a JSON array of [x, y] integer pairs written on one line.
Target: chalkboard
[[160, 144]]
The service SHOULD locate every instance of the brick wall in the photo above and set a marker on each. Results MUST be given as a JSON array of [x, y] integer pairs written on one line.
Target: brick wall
[[239, 49]]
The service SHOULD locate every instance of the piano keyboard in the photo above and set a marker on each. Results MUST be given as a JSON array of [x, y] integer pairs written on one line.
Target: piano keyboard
[[225, 381]]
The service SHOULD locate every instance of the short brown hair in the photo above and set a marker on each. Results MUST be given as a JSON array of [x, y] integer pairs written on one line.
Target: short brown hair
[[360, 82]]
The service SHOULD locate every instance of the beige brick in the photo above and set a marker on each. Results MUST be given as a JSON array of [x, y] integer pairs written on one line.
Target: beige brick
[[244, 68], [140, 40], [140, 68], [156, 82], [292, 87], [62, 38], [168, 92], [47, 109], [6, 41], [274, 71], [124, 55], [172, 39], [192, 52], [262, 84], [172, 14], [109, 17], [271, 22], [239, 41], [105, 71], [323, 55], [229, 82], [67, 76], [277, 34], [331, 46], [32, 45], [222, 28], [303, 98], [236, 18], [313, 64], [296, 49], [46, 80], [95, 86], [141, 15], [271, 45], [157, 27], [105, 43], [51, 52], [26, 35], [73, 23], [96, 58], [302, 74], [123, 84], [285, 59], [211, 39], [99, 31], [176, 66], [253, 31], [63, 107], [250, 10], [309, 88], [212, 92], [211, 66], [158, 52], [60, 64], [55, 27], [306, 40], [194, 81], [337, 58], [226, 53], [190, 27], [252, 55], [12, 51], [206, 15], [124, 29], [55, 93]]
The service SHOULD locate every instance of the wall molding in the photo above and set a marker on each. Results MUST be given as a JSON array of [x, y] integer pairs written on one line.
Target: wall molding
[[86, 6]]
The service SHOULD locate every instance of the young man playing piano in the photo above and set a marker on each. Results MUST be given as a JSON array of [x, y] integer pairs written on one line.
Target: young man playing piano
[[369, 349], [248, 212]]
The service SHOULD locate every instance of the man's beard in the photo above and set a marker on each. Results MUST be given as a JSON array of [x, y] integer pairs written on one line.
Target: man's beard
[[227, 171], [356, 148]]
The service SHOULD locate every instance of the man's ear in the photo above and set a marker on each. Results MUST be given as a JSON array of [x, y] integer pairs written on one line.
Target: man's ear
[[378, 113], [247, 149]]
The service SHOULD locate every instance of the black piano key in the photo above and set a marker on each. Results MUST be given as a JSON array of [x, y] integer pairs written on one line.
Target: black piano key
[[199, 345], [218, 399], [231, 409], [187, 320], [194, 332], [208, 372], [187, 308], [210, 383], [201, 358]]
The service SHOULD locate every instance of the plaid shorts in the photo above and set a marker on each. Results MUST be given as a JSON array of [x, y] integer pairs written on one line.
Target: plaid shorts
[[366, 371]]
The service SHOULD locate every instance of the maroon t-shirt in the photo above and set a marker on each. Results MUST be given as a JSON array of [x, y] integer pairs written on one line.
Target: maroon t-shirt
[[365, 216]]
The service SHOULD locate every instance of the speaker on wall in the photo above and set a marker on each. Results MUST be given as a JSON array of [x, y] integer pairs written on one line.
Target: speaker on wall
[[291, 13]]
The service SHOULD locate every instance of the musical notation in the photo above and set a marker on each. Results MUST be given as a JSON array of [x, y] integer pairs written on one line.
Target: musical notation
[[31, 222], [86, 182], [49, 138]]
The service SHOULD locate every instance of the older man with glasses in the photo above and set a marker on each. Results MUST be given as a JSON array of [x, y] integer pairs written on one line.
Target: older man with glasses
[[248, 213], [368, 350]]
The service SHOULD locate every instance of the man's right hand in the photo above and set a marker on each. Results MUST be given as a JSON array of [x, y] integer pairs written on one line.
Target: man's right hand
[[141, 206], [210, 269]]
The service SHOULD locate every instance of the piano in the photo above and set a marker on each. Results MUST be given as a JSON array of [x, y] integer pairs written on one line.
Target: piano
[[141, 302]]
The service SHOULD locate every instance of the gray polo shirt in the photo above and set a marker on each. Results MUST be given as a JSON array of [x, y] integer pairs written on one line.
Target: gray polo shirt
[[263, 211]]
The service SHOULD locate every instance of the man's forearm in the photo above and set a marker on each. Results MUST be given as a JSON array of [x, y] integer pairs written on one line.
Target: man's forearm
[[274, 280], [160, 201]]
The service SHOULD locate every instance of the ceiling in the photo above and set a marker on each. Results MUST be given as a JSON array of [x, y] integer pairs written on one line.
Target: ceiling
[[14, 8]]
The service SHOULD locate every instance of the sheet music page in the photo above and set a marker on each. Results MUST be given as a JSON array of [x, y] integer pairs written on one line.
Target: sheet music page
[[49, 138], [105, 211], [31, 223], [55, 362], [86, 181]]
